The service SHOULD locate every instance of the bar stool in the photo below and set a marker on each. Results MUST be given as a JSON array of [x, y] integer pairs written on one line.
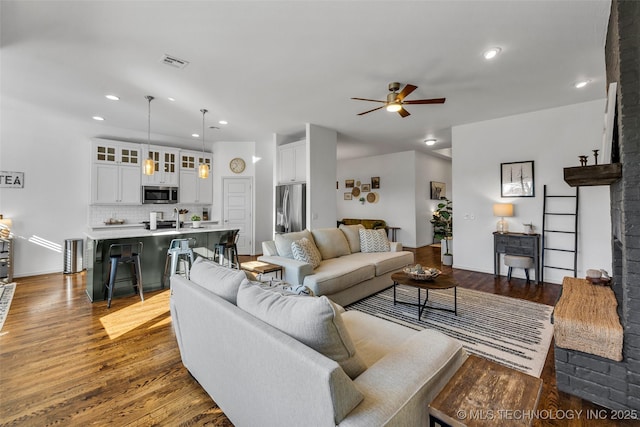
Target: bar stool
[[516, 261], [124, 253], [178, 248], [226, 247]]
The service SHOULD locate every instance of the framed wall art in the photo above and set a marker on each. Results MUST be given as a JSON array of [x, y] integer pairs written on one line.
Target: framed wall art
[[516, 179], [348, 183], [348, 196], [438, 190], [375, 182], [366, 188]]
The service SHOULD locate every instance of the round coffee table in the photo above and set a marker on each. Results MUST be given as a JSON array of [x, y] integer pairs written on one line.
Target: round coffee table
[[440, 282]]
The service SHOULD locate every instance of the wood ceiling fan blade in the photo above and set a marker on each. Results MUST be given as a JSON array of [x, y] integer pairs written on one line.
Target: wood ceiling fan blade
[[366, 99], [360, 114], [426, 101], [404, 113], [406, 91]]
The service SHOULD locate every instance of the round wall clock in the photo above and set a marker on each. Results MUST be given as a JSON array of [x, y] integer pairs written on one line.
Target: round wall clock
[[237, 165]]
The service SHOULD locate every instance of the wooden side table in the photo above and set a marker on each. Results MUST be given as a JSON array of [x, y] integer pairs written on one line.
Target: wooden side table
[[261, 267], [484, 393]]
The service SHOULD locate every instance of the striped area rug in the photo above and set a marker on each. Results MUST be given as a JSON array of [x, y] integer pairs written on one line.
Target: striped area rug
[[6, 295], [509, 331]]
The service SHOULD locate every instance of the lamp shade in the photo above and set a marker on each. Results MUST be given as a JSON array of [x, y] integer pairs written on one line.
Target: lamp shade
[[5, 227], [503, 209]]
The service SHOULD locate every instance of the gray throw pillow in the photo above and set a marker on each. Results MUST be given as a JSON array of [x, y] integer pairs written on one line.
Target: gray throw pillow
[[283, 241]]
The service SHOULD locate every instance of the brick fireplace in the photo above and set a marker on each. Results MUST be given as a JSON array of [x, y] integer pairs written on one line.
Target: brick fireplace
[[616, 385]]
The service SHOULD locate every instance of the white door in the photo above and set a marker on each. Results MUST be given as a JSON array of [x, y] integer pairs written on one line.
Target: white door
[[238, 211]]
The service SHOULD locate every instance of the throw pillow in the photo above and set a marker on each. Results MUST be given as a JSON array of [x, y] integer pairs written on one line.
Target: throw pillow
[[283, 241], [283, 287], [374, 241], [315, 322], [222, 281], [331, 242], [304, 250], [352, 233]]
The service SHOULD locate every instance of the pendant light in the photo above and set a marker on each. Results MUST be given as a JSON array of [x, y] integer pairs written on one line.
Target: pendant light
[[203, 169], [149, 166]]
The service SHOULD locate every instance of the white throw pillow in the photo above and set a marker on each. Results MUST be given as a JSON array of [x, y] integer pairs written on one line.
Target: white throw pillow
[[283, 241], [222, 281], [374, 241], [304, 250], [314, 321], [331, 242], [352, 233], [283, 287]]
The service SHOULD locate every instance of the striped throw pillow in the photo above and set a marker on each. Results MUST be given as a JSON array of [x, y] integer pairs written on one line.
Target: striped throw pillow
[[304, 250], [374, 241]]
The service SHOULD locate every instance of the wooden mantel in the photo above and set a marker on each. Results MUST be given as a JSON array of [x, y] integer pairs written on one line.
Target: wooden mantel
[[593, 175]]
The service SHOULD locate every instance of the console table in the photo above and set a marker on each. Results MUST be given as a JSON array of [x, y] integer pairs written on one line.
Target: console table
[[516, 244]]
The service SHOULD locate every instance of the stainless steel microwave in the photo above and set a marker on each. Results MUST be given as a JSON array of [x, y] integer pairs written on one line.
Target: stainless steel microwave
[[159, 195]]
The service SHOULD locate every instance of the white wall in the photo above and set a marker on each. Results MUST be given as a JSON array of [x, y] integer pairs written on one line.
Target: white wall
[[404, 192], [321, 174], [553, 139]]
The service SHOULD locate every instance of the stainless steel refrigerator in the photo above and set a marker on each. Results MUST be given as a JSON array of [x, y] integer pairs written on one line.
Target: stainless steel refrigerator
[[291, 208]]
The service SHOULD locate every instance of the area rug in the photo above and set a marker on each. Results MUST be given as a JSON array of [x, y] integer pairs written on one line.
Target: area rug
[[6, 295], [509, 331]]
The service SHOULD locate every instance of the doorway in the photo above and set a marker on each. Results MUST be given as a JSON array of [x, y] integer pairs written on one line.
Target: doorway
[[237, 211]]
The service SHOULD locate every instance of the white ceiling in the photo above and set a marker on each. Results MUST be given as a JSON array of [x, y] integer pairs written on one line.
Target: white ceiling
[[268, 66]]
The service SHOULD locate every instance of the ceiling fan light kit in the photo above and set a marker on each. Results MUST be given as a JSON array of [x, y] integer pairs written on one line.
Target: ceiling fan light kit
[[395, 100]]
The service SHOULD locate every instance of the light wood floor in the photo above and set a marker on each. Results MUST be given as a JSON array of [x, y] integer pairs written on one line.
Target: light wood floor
[[66, 361]]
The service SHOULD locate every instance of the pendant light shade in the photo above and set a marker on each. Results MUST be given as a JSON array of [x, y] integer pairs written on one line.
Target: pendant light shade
[[203, 169], [149, 166]]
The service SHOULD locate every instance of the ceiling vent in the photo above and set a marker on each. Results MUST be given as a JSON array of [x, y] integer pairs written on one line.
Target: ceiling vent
[[174, 62]]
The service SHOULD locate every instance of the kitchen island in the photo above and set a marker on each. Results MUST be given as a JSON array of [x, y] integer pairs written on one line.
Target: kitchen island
[[153, 256]]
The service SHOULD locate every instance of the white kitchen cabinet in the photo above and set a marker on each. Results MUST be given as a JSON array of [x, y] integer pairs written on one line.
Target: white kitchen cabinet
[[292, 166], [193, 189], [166, 172], [115, 173]]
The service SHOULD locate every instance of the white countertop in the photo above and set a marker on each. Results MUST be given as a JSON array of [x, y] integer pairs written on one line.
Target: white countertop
[[123, 233]]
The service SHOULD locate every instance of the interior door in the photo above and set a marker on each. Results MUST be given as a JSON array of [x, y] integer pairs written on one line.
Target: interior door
[[238, 211]]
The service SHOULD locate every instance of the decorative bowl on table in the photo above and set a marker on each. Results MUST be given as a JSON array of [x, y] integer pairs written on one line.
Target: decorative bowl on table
[[417, 272]]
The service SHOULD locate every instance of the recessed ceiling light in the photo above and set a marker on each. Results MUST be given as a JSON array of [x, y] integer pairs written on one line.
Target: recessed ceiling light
[[581, 84], [112, 97], [195, 135], [171, 99], [223, 122], [98, 118], [491, 53], [430, 141]]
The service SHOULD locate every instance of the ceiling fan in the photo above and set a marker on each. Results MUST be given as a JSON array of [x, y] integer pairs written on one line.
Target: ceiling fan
[[395, 100]]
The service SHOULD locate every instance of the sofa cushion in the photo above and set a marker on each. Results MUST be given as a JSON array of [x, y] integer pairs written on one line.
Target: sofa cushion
[[351, 232], [331, 242], [304, 250], [222, 281], [384, 262], [283, 241], [374, 241], [337, 274], [316, 322]]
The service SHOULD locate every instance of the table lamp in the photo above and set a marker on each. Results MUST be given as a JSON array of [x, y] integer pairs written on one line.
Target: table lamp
[[502, 210], [5, 227]]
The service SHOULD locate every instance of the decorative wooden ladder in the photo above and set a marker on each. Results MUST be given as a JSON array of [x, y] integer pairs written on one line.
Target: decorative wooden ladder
[[545, 230]]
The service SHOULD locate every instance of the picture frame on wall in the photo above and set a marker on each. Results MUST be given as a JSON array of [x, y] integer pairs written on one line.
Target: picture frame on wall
[[438, 190], [366, 188], [348, 183], [375, 182], [348, 196], [516, 179]]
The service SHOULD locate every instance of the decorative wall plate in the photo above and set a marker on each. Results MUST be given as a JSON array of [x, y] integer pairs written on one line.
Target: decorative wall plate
[[355, 191]]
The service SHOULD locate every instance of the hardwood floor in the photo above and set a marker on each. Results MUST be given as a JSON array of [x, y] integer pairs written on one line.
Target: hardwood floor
[[66, 361]]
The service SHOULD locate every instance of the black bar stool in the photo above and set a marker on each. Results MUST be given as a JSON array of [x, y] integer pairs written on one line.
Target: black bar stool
[[226, 248], [124, 253]]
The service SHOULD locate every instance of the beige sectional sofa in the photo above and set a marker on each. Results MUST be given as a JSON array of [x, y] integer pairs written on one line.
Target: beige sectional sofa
[[271, 358], [345, 274]]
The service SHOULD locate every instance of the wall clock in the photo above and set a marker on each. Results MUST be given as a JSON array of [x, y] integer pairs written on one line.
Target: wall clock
[[237, 165]]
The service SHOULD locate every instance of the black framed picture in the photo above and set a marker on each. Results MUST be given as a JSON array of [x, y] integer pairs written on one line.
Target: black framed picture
[[438, 190], [516, 179], [375, 182]]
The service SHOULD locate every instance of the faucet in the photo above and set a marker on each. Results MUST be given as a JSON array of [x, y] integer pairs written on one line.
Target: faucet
[[177, 211]]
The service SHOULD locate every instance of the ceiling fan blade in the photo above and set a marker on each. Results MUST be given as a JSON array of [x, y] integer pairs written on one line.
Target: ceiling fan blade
[[426, 101], [406, 91], [365, 99], [403, 112], [360, 114]]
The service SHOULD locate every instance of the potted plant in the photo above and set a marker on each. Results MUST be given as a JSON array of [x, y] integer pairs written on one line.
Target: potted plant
[[442, 221], [195, 219]]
